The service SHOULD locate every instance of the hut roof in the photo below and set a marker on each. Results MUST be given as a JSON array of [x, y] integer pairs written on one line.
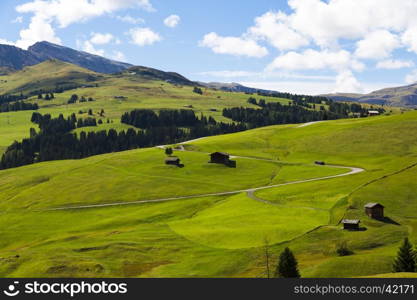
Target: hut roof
[[373, 205], [172, 158], [353, 222]]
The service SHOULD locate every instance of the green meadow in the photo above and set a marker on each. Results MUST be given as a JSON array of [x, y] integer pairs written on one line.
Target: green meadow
[[201, 231]]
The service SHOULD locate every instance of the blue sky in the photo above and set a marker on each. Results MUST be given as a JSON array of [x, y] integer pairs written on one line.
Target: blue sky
[[300, 46]]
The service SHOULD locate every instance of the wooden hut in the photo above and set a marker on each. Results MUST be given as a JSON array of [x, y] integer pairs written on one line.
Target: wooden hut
[[222, 158], [374, 210], [173, 161], [351, 224]]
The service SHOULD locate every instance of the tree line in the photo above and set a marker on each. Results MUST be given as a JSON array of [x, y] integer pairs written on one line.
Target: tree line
[[274, 113], [17, 106], [55, 141]]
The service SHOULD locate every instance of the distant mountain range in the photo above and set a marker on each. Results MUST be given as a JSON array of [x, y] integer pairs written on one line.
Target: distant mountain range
[[397, 96], [15, 58], [234, 87]]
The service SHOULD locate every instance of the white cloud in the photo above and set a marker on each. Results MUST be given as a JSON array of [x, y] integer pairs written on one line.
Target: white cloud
[[101, 38], [233, 46], [87, 46], [346, 82], [144, 36], [409, 38], [38, 30], [6, 42], [274, 28], [392, 64], [315, 60], [119, 56], [131, 20], [378, 44], [46, 13], [172, 21], [18, 20], [412, 77]]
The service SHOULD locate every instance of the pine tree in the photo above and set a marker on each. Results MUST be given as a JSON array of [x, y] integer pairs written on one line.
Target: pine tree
[[406, 258], [169, 151], [287, 266]]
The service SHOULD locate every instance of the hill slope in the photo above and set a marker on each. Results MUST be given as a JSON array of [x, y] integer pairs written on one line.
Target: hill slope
[[16, 58], [218, 236], [398, 96], [47, 76]]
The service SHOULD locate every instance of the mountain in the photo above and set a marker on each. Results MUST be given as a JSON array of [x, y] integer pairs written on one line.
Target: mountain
[[397, 96], [16, 58], [154, 74], [234, 87], [46, 50], [48, 76]]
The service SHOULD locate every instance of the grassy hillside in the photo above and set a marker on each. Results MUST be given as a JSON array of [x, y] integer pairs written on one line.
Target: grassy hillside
[[217, 236], [46, 76], [138, 90]]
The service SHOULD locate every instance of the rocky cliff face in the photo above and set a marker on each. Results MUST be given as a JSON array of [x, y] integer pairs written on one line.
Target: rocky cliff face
[[16, 58]]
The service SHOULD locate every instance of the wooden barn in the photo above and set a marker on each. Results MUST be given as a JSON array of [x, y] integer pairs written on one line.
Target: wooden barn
[[222, 158], [374, 210], [351, 224], [173, 161]]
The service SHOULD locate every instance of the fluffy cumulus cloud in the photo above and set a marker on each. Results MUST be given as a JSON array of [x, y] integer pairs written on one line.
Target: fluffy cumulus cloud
[[233, 45], [172, 21], [339, 36], [275, 28], [412, 77], [144, 36], [315, 60], [101, 38], [377, 45], [47, 13]]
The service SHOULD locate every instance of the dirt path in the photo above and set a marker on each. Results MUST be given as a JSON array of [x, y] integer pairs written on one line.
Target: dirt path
[[250, 192]]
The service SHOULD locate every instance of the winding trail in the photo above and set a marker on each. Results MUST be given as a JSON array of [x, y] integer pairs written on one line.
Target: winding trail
[[250, 192]]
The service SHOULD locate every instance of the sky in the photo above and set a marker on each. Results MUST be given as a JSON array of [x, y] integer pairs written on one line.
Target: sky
[[297, 46]]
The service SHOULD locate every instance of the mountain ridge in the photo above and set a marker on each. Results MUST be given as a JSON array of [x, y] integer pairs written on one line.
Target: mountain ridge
[[402, 96], [16, 58]]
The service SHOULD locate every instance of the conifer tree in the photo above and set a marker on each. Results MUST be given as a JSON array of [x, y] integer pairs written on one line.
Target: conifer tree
[[405, 261], [288, 265]]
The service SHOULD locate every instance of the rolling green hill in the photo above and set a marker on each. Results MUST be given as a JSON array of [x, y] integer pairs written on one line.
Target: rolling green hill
[[46, 76], [43, 234]]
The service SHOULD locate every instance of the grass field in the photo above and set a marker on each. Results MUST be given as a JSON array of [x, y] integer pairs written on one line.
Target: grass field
[[211, 236]]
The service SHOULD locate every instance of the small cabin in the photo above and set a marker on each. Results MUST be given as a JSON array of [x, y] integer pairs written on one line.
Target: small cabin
[[373, 113], [222, 158], [173, 161], [320, 163], [351, 224], [374, 210]]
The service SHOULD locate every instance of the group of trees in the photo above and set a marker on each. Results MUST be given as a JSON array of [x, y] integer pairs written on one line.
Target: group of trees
[[47, 97], [198, 90], [18, 106], [55, 141], [299, 111], [192, 126], [276, 113], [11, 98], [75, 98]]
